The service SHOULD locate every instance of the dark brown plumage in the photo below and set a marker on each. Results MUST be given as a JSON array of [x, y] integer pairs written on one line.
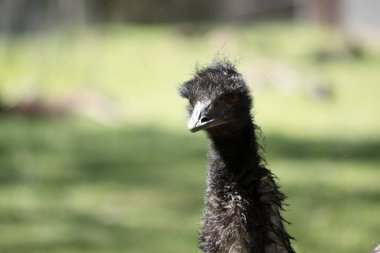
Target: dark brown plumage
[[242, 202]]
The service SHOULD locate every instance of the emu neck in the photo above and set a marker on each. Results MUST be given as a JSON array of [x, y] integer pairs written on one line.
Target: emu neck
[[233, 150], [243, 202]]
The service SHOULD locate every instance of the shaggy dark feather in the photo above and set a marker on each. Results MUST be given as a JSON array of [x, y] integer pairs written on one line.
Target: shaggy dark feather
[[243, 201]]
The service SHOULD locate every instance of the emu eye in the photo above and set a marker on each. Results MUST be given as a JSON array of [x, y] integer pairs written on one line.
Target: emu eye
[[231, 99]]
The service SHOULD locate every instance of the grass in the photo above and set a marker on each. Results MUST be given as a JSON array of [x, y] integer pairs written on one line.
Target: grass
[[73, 185]]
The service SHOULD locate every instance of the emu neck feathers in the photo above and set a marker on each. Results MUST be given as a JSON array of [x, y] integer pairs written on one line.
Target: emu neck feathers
[[243, 203], [233, 156]]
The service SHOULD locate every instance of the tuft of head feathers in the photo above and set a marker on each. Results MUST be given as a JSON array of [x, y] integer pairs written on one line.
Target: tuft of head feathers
[[221, 77]]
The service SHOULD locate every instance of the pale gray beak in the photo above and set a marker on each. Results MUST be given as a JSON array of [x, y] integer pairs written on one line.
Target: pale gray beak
[[199, 119]]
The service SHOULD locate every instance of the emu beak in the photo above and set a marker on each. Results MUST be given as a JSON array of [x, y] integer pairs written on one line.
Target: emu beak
[[198, 119]]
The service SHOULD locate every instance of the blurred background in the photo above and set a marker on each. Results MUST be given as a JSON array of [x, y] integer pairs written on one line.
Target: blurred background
[[95, 155]]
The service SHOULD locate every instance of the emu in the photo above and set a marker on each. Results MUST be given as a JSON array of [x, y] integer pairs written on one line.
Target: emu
[[242, 202]]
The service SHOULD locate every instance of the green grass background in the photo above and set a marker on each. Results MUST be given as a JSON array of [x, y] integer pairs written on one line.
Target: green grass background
[[75, 185]]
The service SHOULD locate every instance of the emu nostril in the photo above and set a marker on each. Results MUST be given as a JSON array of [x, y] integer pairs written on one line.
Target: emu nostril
[[204, 119]]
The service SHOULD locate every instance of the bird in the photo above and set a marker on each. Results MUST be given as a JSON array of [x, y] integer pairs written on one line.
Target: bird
[[243, 203]]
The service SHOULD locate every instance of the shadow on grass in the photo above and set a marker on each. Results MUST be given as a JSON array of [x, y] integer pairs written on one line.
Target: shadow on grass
[[50, 157], [333, 149], [44, 163], [66, 154]]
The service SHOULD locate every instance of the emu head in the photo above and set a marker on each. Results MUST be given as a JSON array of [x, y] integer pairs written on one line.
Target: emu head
[[218, 97]]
